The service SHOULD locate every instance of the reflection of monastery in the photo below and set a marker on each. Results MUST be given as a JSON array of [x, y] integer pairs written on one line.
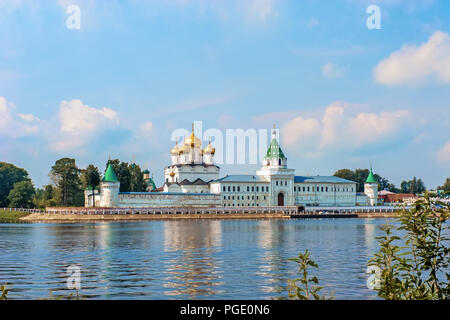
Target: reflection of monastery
[[193, 180]]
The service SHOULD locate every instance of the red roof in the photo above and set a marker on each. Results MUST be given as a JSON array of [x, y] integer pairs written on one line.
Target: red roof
[[396, 197]]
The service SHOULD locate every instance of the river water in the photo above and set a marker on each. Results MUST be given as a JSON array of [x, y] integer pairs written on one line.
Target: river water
[[186, 259]]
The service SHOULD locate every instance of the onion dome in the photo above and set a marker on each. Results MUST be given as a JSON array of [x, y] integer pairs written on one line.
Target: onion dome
[[175, 150], [183, 148], [193, 141], [209, 148], [172, 174]]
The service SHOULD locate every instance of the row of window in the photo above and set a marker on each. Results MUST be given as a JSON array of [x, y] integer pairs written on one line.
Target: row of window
[[252, 188], [241, 197], [321, 189], [240, 205]]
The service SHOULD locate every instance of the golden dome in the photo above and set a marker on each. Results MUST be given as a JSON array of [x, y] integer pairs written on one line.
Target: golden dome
[[175, 150], [172, 174], [193, 141], [183, 148], [209, 148]]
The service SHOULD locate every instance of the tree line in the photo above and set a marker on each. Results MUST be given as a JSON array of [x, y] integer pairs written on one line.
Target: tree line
[[67, 183], [415, 186]]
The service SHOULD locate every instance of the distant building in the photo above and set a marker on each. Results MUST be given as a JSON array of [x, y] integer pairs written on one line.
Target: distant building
[[397, 198], [192, 179]]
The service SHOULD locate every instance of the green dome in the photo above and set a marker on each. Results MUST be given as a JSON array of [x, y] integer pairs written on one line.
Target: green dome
[[274, 150], [371, 178], [110, 175]]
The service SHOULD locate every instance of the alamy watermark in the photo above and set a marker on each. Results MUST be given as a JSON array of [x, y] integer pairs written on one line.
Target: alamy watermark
[[73, 22], [74, 277], [374, 280], [374, 20]]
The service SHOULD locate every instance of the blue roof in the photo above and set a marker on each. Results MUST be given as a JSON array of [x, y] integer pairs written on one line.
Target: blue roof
[[297, 179], [241, 178], [323, 179]]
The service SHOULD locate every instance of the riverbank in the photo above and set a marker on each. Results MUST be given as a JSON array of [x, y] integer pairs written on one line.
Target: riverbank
[[7, 216], [57, 218]]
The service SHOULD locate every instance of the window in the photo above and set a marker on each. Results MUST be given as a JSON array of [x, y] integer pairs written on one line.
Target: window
[[264, 197], [277, 183], [308, 188], [233, 197], [304, 188], [229, 188], [285, 183], [295, 188], [224, 189], [239, 189], [234, 189], [248, 197], [267, 189], [257, 197], [253, 189], [326, 189], [321, 189], [248, 188]]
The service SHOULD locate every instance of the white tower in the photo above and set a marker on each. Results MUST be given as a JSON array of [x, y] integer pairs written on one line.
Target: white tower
[[276, 172], [110, 189], [371, 189]]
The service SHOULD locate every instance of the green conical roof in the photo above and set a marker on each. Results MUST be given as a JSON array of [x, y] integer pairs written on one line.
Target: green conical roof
[[371, 178], [110, 175], [274, 150]]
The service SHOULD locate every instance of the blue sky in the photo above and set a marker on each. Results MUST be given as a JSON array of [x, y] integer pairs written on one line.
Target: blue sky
[[342, 95]]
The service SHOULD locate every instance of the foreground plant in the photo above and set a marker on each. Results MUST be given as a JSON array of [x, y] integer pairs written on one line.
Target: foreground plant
[[304, 288], [4, 290], [415, 266]]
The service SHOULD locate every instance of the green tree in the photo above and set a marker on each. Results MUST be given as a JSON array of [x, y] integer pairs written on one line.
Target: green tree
[[360, 177], [123, 174], [21, 196], [415, 186], [66, 177], [137, 183], [445, 186], [305, 287], [9, 175], [415, 266], [91, 176]]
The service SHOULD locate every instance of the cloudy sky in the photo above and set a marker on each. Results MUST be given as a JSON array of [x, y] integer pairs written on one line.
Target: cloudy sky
[[343, 95]]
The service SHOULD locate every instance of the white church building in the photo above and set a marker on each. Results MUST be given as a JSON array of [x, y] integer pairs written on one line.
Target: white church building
[[192, 179]]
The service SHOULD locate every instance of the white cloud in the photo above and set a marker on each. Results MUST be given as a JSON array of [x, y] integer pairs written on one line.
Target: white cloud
[[146, 128], [259, 10], [444, 153], [14, 125], [28, 117], [330, 70], [342, 126], [413, 65], [79, 122]]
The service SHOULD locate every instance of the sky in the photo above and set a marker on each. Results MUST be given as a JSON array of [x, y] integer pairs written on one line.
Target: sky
[[118, 83]]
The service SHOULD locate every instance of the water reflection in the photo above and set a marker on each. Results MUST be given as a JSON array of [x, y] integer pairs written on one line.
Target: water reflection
[[203, 259], [191, 267]]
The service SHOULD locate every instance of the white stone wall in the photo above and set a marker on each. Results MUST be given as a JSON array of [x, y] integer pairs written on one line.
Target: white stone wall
[[371, 191], [325, 194], [157, 199], [241, 194], [109, 194]]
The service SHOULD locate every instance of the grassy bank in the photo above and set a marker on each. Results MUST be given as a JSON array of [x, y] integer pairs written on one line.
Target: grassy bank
[[7, 216]]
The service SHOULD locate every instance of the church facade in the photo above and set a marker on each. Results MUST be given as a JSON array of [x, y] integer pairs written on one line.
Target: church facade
[[192, 179]]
